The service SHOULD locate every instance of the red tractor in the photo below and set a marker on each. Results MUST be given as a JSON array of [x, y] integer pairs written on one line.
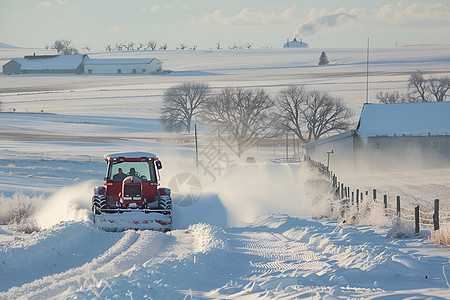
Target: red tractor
[[130, 197]]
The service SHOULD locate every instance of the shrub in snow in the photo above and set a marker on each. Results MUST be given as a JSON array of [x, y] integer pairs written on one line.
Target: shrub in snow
[[441, 236], [401, 229], [17, 210]]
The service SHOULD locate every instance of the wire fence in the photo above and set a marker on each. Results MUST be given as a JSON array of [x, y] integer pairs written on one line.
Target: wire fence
[[352, 199]]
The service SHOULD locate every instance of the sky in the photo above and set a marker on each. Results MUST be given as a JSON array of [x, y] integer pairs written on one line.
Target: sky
[[205, 23]]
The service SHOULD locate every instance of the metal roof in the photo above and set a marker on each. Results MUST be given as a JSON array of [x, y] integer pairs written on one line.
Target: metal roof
[[118, 61], [404, 119], [60, 62]]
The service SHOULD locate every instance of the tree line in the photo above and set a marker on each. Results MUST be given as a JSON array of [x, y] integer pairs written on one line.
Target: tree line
[[248, 114], [419, 89]]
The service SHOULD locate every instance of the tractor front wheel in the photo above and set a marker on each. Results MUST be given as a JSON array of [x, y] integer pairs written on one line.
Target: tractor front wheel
[[98, 203], [165, 202]]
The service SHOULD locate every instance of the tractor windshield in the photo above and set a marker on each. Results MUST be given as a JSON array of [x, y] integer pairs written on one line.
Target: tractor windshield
[[145, 171]]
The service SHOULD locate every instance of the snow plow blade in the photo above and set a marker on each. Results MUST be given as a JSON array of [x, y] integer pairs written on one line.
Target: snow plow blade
[[138, 219]]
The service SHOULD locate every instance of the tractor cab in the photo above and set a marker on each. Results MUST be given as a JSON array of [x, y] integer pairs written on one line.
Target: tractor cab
[[131, 179]]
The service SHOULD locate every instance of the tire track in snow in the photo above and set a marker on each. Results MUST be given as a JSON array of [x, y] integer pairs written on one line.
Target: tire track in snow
[[269, 252], [134, 248]]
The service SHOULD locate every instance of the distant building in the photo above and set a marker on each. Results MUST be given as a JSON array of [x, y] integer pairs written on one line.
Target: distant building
[[13, 66], [390, 136], [53, 64], [295, 44], [33, 64], [123, 66]]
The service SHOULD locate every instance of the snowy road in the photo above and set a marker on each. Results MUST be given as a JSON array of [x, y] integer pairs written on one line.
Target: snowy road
[[276, 257]]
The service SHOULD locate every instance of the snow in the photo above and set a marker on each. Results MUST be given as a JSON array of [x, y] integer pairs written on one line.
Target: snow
[[60, 62], [407, 119], [129, 155], [249, 235]]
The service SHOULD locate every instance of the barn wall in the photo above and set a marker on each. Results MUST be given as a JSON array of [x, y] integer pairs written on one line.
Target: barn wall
[[402, 152], [11, 67], [153, 67]]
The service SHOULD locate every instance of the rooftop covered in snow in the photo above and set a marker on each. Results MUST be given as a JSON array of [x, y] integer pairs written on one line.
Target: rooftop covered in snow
[[119, 61], [404, 119], [60, 62]]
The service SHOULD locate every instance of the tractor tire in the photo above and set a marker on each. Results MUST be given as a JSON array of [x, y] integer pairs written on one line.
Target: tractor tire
[[165, 202], [98, 202]]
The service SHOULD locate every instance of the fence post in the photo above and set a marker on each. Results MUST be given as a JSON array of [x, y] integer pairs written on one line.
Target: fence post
[[398, 206], [374, 195], [361, 197], [416, 219], [342, 191], [357, 199], [353, 198], [436, 214], [385, 201]]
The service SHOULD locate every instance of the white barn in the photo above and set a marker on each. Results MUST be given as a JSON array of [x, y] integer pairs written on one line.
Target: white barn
[[122, 66], [390, 136], [37, 64]]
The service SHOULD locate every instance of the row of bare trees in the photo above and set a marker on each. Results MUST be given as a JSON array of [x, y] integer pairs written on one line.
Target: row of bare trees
[[150, 45], [249, 114], [420, 89]]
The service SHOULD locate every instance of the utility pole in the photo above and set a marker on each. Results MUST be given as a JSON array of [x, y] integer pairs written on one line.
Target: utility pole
[[196, 147], [367, 73]]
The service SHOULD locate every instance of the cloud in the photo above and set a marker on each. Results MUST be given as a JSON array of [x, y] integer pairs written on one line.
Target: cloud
[[154, 8], [63, 23], [323, 21], [168, 7], [61, 2], [114, 28], [413, 13], [245, 17], [44, 4], [185, 7]]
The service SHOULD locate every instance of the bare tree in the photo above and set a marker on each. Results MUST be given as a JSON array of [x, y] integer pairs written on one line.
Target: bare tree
[[108, 48], [141, 46], [163, 47], [181, 103], [324, 113], [130, 46], [389, 98], [290, 102], [311, 114], [249, 46], [438, 87], [119, 47], [152, 45], [183, 46], [418, 87], [63, 47], [86, 47], [243, 113], [218, 46]]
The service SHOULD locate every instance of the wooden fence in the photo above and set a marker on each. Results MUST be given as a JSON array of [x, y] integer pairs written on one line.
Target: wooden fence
[[350, 197]]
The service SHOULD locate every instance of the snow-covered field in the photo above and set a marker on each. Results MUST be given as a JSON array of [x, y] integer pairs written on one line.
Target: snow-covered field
[[250, 235]]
